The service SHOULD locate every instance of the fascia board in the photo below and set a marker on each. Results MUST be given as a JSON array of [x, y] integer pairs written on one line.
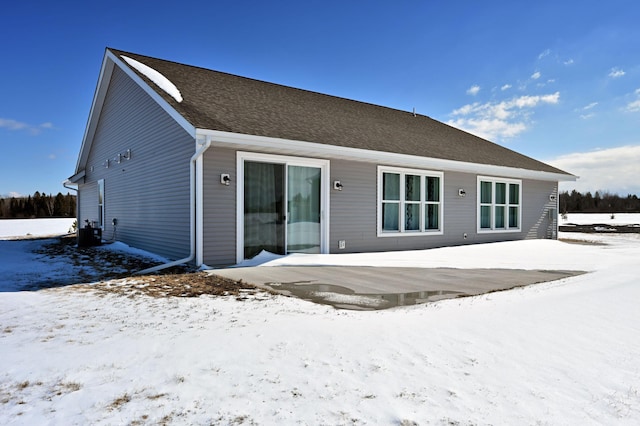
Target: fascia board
[[96, 107], [75, 178], [301, 148]]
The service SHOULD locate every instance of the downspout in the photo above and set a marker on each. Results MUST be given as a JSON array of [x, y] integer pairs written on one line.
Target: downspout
[[192, 212]]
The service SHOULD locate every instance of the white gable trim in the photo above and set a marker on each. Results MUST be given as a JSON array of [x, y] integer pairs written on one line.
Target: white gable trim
[[96, 108], [154, 95], [313, 149], [109, 61]]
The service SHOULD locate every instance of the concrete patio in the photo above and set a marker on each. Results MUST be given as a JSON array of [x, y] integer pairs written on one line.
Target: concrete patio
[[367, 288]]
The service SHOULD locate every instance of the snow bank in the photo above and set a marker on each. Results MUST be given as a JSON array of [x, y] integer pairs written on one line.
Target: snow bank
[[259, 259], [529, 254], [124, 248]]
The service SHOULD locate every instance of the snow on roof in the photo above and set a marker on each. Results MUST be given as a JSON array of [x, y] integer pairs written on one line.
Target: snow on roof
[[160, 80]]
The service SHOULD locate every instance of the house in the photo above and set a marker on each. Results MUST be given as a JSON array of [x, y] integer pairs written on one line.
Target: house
[[211, 168]]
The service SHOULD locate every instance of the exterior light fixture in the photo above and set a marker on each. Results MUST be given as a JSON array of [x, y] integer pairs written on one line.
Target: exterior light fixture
[[337, 185], [225, 179], [462, 192]]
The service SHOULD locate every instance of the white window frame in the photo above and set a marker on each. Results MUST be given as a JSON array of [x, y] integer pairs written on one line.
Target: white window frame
[[402, 202], [101, 204], [286, 160], [493, 204]]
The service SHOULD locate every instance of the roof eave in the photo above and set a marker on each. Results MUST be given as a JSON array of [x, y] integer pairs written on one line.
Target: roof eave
[[76, 178], [302, 148], [94, 113]]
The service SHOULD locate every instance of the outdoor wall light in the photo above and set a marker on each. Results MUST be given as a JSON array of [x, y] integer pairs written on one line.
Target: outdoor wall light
[[462, 192], [225, 179], [337, 185], [106, 164]]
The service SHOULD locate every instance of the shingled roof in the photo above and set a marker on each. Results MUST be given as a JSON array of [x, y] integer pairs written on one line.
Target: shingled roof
[[219, 101]]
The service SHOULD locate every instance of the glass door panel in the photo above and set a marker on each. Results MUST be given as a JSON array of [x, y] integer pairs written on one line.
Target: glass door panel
[[264, 214], [303, 209]]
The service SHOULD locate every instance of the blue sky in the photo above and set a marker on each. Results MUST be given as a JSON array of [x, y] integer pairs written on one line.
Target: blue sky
[[558, 81]]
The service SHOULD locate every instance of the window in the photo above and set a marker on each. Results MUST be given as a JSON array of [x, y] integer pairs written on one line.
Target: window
[[409, 201], [498, 204], [101, 203]]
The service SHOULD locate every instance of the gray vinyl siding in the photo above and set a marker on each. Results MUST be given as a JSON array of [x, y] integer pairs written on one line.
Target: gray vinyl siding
[[540, 215], [148, 194], [219, 207], [353, 211], [87, 203]]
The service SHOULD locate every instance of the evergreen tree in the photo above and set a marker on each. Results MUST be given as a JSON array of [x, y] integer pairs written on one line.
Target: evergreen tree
[[38, 205]]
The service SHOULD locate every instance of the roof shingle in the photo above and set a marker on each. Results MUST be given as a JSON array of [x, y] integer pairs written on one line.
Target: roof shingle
[[219, 101]]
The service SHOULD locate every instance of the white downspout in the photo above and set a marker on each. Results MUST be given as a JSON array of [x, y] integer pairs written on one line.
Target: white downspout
[[192, 211]]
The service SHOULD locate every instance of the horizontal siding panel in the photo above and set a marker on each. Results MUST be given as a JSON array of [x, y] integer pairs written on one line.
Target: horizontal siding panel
[[219, 207], [148, 194], [353, 211], [87, 203], [537, 202]]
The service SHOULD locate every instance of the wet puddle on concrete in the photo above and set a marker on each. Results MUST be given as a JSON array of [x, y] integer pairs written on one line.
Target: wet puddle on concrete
[[344, 298]]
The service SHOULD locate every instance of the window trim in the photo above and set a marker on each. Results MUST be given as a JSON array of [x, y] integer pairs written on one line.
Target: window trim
[[402, 202], [506, 204], [101, 205], [287, 160]]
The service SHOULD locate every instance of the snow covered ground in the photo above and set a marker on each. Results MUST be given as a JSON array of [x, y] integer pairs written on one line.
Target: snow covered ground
[[601, 218], [563, 352], [29, 228]]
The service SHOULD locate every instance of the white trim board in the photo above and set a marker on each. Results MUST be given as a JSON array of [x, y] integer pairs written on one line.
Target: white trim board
[[313, 149]]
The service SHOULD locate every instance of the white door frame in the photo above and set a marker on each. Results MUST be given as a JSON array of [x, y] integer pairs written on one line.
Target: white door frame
[[323, 165]]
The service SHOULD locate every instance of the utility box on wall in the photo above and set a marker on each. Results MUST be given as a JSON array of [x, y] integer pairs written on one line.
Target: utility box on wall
[[89, 236]]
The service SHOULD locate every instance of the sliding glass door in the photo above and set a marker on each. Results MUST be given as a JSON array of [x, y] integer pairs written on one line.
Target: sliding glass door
[[303, 209], [264, 213], [282, 208]]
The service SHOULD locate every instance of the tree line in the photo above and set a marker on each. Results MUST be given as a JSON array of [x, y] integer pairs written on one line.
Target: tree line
[[38, 205], [600, 202]]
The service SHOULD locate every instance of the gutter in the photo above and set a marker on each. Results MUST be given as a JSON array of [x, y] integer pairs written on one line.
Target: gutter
[[68, 182], [192, 210]]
